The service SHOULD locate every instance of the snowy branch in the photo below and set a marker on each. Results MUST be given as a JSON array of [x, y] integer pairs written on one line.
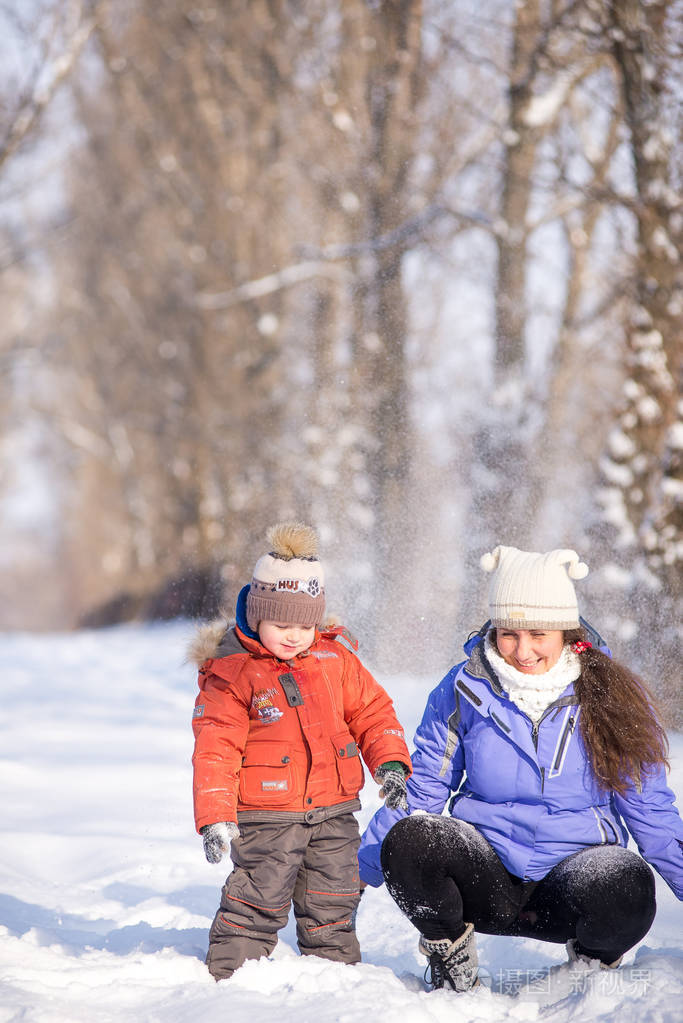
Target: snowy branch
[[29, 113], [267, 285], [318, 261]]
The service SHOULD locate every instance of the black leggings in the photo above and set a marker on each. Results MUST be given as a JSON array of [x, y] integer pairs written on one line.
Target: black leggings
[[442, 873]]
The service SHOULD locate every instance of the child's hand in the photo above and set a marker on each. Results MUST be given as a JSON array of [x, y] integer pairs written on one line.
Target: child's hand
[[217, 839], [391, 777]]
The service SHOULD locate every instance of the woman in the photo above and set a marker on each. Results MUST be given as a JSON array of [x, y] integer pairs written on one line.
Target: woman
[[560, 751]]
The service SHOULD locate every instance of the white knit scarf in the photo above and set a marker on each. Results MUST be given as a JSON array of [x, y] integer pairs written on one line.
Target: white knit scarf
[[533, 693]]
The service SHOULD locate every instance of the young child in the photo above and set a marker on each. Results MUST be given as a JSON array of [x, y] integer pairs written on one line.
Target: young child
[[283, 709]]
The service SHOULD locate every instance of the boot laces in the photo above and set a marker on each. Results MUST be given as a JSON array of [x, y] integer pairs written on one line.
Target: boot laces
[[449, 963], [435, 974]]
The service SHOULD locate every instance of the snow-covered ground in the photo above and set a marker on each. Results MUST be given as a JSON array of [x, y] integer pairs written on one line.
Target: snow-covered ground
[[106, 898]]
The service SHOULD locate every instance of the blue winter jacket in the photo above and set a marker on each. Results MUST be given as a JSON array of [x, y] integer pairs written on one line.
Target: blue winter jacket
[[528, 789]]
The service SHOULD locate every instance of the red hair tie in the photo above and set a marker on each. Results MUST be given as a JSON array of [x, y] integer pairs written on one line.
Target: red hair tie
[[580, 646]]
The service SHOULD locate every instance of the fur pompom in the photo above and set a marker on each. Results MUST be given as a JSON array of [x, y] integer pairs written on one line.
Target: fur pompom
[[292, 540]]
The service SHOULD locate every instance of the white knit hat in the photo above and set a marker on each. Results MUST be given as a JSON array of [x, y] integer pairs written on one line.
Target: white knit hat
[[289, 583], [533, 591]]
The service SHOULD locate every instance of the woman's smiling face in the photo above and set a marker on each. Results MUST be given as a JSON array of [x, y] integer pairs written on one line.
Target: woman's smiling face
[[531, 651]]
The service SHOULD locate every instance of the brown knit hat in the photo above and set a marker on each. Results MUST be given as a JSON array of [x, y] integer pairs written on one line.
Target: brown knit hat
[[288, 583]]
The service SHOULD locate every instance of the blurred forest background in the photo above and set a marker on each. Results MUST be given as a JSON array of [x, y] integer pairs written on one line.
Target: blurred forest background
[[408, 269]]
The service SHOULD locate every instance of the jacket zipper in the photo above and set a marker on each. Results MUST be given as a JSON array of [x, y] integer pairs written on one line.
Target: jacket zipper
[[568, 730], [535, 725]]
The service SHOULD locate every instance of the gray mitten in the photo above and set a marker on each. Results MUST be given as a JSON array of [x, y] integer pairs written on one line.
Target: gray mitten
[[391, 777], [217, 839]]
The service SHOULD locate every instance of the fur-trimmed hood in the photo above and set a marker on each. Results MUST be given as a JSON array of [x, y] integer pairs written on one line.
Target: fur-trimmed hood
[[210, 639], [218, 638]]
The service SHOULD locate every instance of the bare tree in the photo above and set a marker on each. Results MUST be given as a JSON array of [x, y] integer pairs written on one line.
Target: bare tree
[[645, 447], [41, 46], [642, 472], [298, 232], [255, 275], [197, 194]]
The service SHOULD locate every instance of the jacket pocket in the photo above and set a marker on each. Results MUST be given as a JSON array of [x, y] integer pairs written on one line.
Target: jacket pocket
[[267, 777], [606, 829], [349, 767]]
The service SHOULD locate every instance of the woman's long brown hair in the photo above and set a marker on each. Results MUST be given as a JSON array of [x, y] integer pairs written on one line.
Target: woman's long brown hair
[[619, 721]]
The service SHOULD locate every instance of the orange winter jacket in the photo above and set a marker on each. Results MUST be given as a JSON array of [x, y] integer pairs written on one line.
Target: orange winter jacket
[[279, 738]]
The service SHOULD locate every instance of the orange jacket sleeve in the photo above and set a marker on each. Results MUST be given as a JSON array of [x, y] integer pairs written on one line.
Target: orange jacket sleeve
[[221, 725]]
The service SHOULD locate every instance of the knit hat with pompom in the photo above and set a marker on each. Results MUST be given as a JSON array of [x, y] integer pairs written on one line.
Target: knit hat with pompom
[[288, 586], [533, 591]]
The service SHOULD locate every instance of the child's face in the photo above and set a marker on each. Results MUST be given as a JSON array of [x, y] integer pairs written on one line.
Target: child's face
[[285, 641]]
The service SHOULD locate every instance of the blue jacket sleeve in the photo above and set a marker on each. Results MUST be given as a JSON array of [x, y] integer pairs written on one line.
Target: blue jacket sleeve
[[437, 770], [651, 816], [439, 761]]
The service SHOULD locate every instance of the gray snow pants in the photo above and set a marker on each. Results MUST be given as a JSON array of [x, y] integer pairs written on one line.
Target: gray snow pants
[[275, 864]]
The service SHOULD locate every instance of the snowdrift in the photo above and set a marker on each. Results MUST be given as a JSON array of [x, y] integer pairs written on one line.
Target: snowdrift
[[106, 898]]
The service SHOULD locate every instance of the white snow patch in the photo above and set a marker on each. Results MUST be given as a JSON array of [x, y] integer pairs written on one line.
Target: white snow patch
[[648, 409], [676, 436], [672, 487], [543, 109], [620, 445], [620, 475]]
